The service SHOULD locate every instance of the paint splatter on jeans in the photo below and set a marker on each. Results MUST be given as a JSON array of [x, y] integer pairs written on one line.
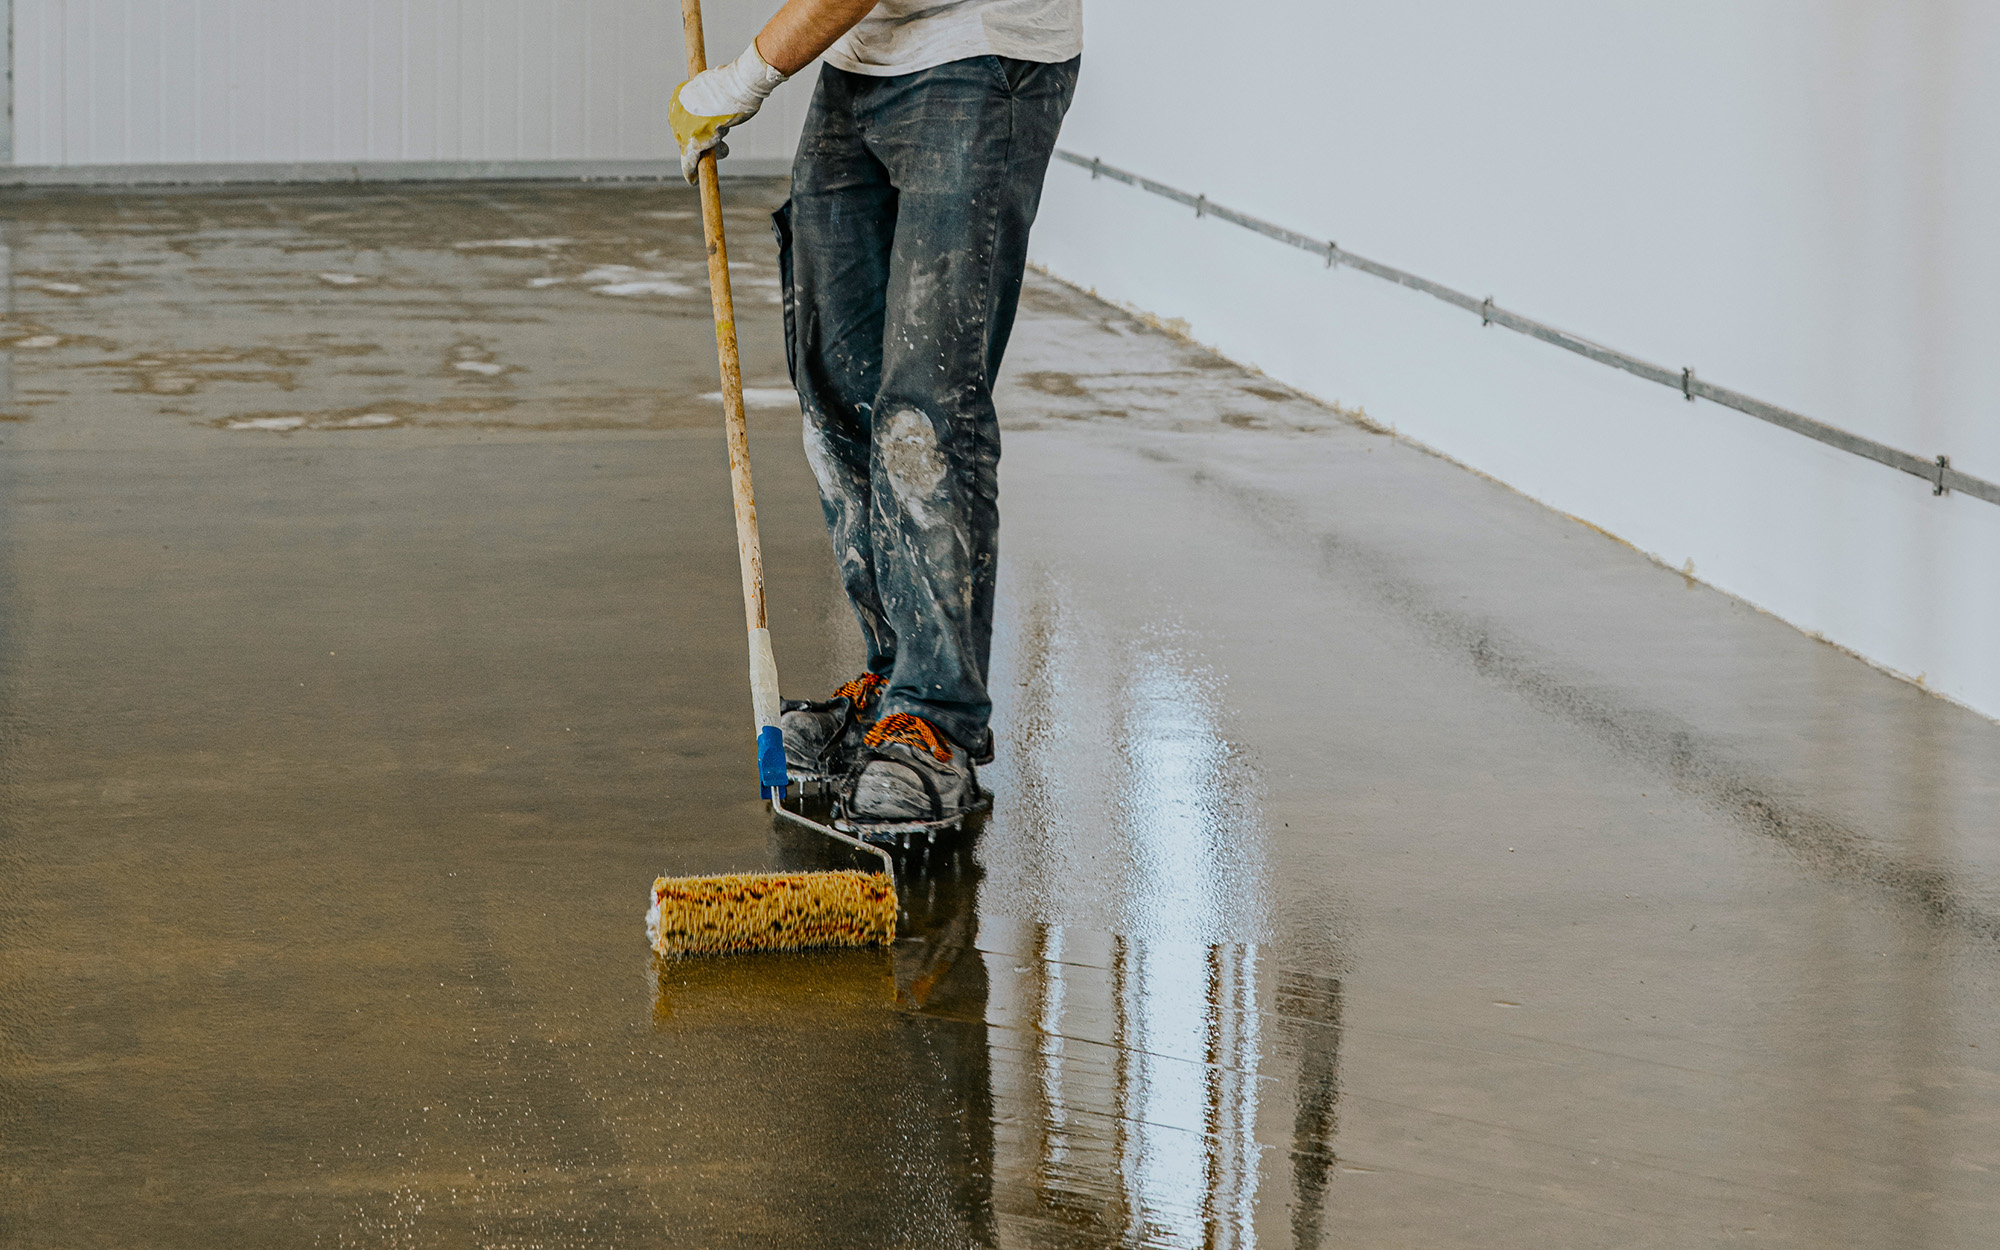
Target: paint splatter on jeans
[[903, 247]]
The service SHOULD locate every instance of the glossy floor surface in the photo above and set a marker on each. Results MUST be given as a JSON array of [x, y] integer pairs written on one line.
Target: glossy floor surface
[[1379, 859]]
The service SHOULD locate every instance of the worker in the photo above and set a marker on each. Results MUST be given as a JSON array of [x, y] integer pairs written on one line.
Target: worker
[[902, 251]]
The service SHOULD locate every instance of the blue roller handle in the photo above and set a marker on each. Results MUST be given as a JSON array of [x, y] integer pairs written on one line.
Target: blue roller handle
[[772, 776]]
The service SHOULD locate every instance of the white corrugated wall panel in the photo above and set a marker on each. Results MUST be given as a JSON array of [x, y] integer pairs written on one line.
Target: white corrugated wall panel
[[115, 82]]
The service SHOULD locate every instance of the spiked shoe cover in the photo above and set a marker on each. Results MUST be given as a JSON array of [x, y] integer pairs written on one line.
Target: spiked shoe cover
[[913, 777], [823, 740]]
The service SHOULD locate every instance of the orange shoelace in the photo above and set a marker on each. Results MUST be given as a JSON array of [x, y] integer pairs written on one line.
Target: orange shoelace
[[862, 690], [913, 731]]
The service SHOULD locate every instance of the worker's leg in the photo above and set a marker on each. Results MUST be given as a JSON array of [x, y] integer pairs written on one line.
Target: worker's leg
[[834, 241], [966, 146]]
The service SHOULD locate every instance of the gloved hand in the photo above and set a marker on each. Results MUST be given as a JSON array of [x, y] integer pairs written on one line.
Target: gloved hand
[[704, 107]]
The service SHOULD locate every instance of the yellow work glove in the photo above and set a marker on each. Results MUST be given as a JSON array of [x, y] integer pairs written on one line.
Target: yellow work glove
[[704, 107]]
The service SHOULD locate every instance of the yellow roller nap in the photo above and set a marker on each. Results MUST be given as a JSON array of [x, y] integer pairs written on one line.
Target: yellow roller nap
[[771, 911]]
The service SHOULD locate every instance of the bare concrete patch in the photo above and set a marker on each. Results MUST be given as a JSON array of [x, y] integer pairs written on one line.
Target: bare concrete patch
[[512, 245], [473, 362], [21, 334], [63, 284], [1054, 382], [388, 414]]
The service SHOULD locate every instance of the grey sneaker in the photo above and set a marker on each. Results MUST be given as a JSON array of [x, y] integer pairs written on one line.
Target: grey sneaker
[[913, 778], [823, 739]]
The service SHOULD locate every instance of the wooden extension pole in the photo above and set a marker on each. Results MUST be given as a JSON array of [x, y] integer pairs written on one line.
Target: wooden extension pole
[[763, 667]]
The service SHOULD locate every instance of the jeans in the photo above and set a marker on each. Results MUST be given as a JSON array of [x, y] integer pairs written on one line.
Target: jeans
[[902, 251]]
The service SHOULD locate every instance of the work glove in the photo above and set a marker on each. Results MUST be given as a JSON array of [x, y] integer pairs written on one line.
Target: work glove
[[704, 107]]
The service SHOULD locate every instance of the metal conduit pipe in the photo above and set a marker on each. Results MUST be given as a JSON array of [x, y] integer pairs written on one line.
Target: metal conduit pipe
[[1936, 471]]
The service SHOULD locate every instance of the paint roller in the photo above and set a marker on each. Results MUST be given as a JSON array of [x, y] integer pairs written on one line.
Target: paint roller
[[759, 911]]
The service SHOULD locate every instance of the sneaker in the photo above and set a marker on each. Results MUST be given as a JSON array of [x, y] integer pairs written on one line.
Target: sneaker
[[913, 777], [823, 740]]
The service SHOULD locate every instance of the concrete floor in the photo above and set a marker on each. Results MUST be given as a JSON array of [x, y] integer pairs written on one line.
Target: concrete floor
[[1379, 859]]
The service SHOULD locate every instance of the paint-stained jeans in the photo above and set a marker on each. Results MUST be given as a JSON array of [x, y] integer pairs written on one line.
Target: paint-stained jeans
[[903, 248]]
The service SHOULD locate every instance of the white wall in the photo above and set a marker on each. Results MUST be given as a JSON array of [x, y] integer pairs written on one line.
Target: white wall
[[1798, 198], [112, 82]]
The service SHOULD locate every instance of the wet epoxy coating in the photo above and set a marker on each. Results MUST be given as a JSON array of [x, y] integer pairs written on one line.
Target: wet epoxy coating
[[1378, 859]]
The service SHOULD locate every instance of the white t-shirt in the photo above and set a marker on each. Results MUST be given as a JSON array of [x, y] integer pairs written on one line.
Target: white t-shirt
[[904, 36]]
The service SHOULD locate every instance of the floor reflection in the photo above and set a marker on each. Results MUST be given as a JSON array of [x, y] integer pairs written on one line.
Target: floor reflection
[[1154, 1082], [1125, 805], [1157, 1094], [1025, 1084]]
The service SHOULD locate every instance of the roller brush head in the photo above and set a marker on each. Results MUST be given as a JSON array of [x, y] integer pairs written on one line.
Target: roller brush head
[[771, 911]]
